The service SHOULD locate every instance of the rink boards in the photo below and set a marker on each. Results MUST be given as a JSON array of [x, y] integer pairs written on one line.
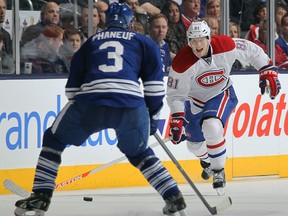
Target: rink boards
[[256, 137]]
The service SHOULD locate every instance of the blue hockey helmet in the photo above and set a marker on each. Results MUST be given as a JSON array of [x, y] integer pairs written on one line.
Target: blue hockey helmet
[[119, 15]]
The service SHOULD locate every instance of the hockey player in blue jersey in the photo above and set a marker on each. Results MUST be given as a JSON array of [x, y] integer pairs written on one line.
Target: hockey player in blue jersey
[[104, 92]]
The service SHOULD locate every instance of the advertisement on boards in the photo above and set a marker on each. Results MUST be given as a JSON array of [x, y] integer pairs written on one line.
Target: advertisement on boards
[[257, 127]]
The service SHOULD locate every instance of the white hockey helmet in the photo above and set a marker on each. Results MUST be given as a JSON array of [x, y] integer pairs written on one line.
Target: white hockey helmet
[[198, 29]]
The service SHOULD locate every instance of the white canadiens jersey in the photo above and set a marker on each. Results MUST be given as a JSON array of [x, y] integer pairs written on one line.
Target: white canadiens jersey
[[202, 79]]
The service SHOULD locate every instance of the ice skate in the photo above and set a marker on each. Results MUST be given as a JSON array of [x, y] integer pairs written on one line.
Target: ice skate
[[175, 204], [219, 181], [35, 205], [207, 170]]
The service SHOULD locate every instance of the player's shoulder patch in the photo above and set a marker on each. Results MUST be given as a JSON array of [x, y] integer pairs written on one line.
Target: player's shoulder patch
[[184, 59], [222, 43]]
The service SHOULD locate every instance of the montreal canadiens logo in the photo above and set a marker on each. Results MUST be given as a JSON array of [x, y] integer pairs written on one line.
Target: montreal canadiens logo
[[212, 78]]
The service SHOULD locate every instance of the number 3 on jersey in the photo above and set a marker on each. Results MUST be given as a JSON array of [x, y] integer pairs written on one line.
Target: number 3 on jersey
[[116, 55]]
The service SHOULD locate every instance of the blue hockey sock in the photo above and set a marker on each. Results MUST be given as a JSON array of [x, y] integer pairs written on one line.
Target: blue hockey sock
[[155, 173], [46, 171]]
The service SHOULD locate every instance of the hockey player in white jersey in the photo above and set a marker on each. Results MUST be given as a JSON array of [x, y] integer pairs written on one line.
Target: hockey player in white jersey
[[201, 97], [104, 92]]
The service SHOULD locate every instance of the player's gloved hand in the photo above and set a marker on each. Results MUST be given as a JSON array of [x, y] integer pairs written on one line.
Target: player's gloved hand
[[177, 124], [269, 83], [154, 118]]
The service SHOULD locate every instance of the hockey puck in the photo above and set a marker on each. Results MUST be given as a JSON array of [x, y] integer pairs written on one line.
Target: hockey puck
[[88, 199]]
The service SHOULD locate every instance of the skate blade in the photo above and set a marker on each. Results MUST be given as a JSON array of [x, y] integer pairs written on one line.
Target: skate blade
[[182, 213], [25, 212], [220, 191], [224, 204], [179, 213]]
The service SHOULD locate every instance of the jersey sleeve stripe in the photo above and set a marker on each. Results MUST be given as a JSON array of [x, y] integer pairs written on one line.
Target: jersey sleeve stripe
[[154, 88], [111, 86]]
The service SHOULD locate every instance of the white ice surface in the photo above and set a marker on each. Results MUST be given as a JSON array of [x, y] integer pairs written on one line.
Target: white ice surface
[[251, 197]]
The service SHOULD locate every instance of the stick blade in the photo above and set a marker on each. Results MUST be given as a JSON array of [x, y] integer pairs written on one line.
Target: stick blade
[[15, 189], [224, 204]]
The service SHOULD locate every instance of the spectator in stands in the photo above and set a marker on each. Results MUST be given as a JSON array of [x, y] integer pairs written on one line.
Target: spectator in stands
[[140, 16], [281, 59], [72, 42], [43, 52], [141, 19], [49, 14], [6, 61], [66, 21], [146, 7], [283, 37], [280, 11], [213, 23], [134, 5], [260, 14], [139, 28], [85, 18], [69, 15], [158, 26], [190, 11], [156, 3], [176, 35], [150, 9], [234, 30], [102, 6], [242, 13], [213, 8], [6, 38], [74, 39]]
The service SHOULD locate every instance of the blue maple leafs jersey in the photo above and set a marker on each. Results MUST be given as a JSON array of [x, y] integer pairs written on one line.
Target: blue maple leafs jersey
[[107, 70]]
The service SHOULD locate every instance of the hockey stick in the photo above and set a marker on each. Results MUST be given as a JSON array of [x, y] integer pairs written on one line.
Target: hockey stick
[[225, 203], [16, 189]]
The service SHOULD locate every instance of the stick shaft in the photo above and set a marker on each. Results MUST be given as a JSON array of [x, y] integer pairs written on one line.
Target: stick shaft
[[212, 210]]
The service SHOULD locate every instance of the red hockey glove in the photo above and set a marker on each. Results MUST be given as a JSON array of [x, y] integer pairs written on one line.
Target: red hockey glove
[[269, 83], [177, 124]]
